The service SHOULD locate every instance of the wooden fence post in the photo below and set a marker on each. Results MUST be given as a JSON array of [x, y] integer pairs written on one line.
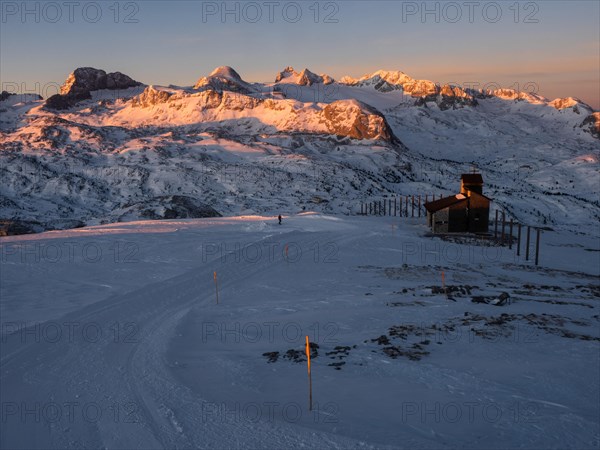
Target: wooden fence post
[[519, 240], [419, 206], [510, 234], [527, 243], [503, 227], [412, 206], [496, 227], [537, 247]]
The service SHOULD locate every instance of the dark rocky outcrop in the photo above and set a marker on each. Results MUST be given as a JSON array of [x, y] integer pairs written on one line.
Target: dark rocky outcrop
[[591, 124], [169, 207], [4, 95], [87, 79], [83, 81], [13, 227]]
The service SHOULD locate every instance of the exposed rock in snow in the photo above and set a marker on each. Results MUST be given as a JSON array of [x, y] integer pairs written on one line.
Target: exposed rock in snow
[[167, 207], [357, 120], [449, 97], [591, 124], [518, 96], [150, 97], [572, 103], [4, 95]]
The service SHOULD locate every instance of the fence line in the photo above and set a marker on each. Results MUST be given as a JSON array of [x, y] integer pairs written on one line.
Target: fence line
[[398, 206], [405, 206]]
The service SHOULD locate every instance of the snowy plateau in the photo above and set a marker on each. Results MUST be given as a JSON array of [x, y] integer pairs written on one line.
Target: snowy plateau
[[149, 298]]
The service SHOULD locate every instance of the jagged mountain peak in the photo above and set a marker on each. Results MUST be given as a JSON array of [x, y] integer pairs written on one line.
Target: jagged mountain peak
[[303, 78], [87, 79], [570, 102], [393, 78], [83, 81]]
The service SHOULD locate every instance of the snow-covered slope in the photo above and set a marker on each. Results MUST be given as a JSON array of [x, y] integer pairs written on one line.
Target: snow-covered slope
[[112, 337], [108, 147]]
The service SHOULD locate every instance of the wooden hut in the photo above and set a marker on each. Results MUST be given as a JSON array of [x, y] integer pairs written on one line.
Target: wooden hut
[[465, 212]]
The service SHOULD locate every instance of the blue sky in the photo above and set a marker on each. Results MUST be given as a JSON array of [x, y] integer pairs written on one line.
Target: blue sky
[[551, 46]]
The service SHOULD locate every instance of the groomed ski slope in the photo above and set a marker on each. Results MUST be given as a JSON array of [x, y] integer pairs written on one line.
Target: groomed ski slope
[[112, 337]]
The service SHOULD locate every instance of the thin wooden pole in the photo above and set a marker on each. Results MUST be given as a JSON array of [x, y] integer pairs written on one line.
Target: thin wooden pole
[[309, 375], [519, 240], [395, 206], [510, 234], [419, 206], [527, 243], [389, 207], [496, 227], [216, 286], [412, 206], [503, 227], [406, 215], [537, 247]]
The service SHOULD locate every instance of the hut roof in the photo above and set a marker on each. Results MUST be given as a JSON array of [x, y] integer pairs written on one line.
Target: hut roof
[[442, 203]]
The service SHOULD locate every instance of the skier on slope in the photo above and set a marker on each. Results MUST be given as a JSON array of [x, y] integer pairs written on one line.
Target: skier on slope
[[279, 217]]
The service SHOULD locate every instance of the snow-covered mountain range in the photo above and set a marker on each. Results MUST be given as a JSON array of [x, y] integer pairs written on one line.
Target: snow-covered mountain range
[[109, 148]]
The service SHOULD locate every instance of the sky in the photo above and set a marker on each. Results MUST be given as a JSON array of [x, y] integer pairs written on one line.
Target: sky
[[547, 47]]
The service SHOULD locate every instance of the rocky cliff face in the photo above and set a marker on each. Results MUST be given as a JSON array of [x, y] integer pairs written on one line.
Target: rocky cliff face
[[150, 97], [87, 79], [591, 124], [357, 120], [446, 97], [80, 84]]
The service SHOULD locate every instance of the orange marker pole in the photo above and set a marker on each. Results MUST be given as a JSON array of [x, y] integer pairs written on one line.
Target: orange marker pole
[[309, 375], [216, 286]]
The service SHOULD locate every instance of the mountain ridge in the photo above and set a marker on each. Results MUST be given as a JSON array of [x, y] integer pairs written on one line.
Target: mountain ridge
[[316, 145]]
